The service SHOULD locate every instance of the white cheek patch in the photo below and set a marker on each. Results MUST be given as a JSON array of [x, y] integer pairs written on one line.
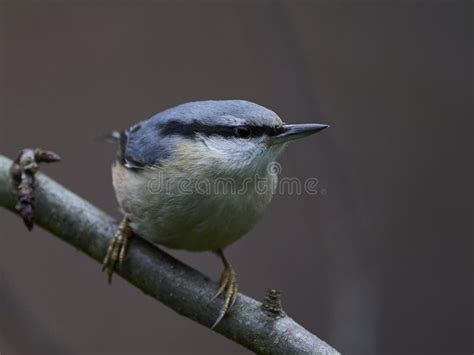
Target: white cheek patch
[[235, 149], [235, 154]]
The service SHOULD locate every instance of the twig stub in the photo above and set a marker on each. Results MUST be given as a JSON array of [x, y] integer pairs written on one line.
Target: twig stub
[[23, 172], [271, 304]]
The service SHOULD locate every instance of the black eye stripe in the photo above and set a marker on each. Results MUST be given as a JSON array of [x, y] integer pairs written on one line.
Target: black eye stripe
[[191, 129]]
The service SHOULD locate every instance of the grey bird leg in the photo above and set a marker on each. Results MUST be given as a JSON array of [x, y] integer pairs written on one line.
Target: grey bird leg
[[228, 286], [117, 248]]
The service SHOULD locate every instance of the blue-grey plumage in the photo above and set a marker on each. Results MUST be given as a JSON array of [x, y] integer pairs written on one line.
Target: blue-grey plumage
[[197, 177], [149, 142]]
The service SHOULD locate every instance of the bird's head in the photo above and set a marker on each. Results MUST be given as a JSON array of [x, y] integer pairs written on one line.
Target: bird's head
[[228, 134]]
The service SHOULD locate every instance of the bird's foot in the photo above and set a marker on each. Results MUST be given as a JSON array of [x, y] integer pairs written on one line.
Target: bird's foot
[[117, 249], [227, 287]]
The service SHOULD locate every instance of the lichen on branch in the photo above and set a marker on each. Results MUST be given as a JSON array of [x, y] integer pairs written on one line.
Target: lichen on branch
[[23, 172]]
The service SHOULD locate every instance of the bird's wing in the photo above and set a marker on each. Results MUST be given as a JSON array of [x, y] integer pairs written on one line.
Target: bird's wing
[[143, 145]]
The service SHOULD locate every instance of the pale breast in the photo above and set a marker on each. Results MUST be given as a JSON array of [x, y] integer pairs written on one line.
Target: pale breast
[[203, 215]]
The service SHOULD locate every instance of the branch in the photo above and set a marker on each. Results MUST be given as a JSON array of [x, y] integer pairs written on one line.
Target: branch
[[159, 275]]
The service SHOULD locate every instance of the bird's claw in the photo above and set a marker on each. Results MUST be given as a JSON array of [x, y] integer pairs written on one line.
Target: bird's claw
[[227, 287], [117, 249]]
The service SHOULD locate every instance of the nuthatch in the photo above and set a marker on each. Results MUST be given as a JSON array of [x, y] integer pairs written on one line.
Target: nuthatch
[[173, 170]]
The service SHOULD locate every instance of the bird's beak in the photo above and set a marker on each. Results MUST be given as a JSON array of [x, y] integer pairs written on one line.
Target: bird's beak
[[290, 132]]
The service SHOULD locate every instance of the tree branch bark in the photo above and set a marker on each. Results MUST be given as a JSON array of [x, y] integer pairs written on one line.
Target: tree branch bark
[[158, 274]]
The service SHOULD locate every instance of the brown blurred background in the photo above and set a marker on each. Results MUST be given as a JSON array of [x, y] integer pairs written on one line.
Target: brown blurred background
[[381, 264]]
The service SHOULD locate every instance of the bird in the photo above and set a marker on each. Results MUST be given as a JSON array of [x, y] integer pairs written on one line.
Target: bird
[[196, 177]]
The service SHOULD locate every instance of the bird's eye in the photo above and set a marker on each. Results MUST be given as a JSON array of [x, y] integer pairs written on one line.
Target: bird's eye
[[242, 132]]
